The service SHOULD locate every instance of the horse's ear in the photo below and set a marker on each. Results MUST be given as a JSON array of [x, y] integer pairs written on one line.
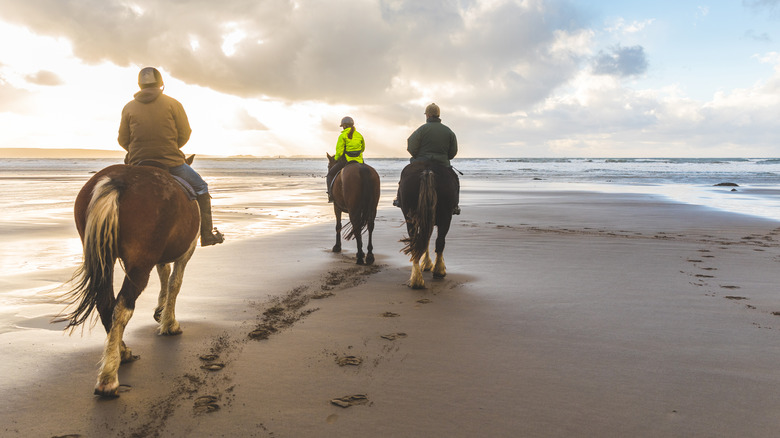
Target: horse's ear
[[190, 159]]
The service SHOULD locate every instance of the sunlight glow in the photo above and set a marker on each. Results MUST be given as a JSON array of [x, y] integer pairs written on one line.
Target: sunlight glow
[[231, 40]]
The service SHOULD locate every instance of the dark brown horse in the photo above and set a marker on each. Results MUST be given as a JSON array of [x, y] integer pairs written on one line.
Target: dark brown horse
[[141, 216], [428, 192], [355, 191]]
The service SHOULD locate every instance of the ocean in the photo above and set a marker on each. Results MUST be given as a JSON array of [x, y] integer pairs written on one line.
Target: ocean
[[245, 182]]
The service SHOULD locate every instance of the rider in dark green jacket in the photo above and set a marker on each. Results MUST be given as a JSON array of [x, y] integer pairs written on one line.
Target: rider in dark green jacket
[[435, 142]]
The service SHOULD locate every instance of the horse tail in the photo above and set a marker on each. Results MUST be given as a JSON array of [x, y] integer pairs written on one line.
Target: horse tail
[[365, 208], [424, 217], [94, 277]]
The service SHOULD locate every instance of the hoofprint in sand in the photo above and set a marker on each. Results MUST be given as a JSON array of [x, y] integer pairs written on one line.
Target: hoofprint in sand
[[567, 314]]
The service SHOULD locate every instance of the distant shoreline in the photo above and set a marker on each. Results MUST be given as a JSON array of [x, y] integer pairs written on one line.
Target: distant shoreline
[[59, 153], [96, 153]]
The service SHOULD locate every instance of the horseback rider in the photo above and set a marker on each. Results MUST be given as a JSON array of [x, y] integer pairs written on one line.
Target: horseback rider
[[154, 127], [434, 142], [349, 149]]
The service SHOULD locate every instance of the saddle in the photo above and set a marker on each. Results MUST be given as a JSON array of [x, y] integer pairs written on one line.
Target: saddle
[[182, 182]]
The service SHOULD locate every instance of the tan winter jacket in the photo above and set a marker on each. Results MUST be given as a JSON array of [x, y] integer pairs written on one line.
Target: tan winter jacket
[[154, 126]]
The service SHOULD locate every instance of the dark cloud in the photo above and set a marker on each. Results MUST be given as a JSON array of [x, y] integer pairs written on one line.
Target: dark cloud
[[45, 77], [358, 52], [621, 61]]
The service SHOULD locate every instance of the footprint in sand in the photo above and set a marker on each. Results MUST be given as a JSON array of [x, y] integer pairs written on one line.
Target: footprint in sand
[[424, 301], [390, 315], [393, 336], [213, 366], [350, 400], [348, 360], [206, 404], [208, 357]]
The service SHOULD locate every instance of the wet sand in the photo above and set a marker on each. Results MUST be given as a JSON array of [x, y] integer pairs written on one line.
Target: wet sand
[[565, 314]]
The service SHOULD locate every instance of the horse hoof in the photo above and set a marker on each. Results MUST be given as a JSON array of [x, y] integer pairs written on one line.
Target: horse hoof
[[439, 275], [173, 330], [127, 356], [170, 332], [336, 248], [370, 259], [360, 262], [107, 390], [417, 286], [107, 394]]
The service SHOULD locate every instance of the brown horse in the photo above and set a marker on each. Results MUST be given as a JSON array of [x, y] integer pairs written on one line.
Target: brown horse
[[428, 192], [355, 191], [140, 215]]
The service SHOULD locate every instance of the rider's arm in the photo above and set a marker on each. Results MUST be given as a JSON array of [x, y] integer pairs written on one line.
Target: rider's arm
[[124, 131], [341, 146], [182, 125], [453, 147], [413, 143]]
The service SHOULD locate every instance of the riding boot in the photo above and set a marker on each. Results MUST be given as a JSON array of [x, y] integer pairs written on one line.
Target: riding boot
[[207, 235]]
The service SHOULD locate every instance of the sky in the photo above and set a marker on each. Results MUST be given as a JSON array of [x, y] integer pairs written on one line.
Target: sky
[[513, 78]]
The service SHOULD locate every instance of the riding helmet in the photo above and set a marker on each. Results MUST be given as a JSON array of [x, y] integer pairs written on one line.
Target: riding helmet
[[149, 77]]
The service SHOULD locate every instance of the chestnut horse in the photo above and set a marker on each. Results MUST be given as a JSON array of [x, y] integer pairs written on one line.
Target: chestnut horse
[[355, 190], [428, 192], [143, 217]]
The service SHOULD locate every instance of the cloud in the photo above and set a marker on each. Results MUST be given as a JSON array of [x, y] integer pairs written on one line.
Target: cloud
[[343, 51], [760, 5], [44, 77], [621, 61], [762, 37]]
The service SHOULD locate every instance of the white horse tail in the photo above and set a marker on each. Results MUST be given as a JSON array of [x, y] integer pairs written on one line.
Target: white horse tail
[[94, 278]]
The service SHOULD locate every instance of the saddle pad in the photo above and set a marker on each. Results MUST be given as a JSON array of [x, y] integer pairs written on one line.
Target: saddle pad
[[187, 187]]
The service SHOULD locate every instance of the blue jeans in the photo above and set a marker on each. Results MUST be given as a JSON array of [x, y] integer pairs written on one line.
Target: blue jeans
[[188, 174]]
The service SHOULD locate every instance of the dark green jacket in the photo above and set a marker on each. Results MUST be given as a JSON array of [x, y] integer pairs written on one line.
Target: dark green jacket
[[433, 141]]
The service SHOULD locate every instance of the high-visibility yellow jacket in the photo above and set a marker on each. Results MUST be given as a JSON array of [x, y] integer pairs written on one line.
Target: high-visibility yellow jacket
[[351, 148]]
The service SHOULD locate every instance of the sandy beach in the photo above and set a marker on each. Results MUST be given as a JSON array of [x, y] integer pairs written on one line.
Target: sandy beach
[[563, 314]]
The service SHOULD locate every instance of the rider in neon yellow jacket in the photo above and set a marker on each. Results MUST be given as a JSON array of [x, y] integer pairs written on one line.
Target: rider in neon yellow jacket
[[349, 148]]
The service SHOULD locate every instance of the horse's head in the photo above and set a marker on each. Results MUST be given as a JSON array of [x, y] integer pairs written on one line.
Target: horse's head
[[331, 160]]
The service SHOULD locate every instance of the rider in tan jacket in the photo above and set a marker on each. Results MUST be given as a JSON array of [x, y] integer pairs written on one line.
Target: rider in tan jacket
[[153, 128]]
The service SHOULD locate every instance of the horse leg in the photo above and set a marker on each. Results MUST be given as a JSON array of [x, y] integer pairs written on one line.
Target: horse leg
[[168, 323], [108, 379], [164, 272], [426, 264], [370, 247], [416, 280], [359, 241], [337, 246], [439, 270]]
